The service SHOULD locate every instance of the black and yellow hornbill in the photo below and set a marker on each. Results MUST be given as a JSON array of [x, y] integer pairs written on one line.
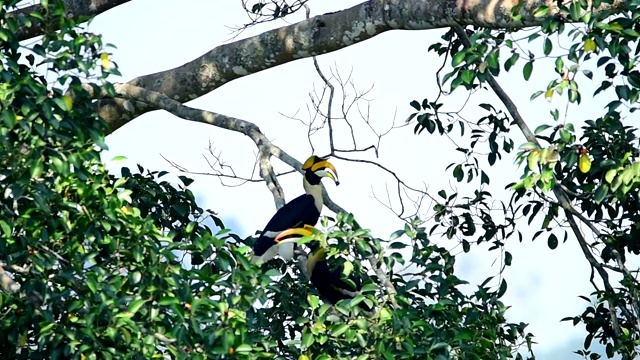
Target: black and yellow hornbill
[[329, 282], [303, 210]]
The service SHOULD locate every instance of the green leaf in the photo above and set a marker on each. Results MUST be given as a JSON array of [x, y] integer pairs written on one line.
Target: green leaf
[[542, 11], [559, 65], [511, 61], [243, 348], [307, 338], [547, 46], [503, 288], [533, 159], [541, 128], [347, 268], [185, 180], [168, 300], [36, 169], [508, 258], [396, 234], [415, 104], [313, 300], [552, 242], [4, 35], [610, 175], [385, 315], [136, 305], [458, 173], [529, 146], [527, 69], [458, 58], [273, 273], [398, 245], [339, 329], [6, 229], [600, 193]]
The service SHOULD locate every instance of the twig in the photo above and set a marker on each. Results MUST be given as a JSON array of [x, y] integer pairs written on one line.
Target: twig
[[243, 180]]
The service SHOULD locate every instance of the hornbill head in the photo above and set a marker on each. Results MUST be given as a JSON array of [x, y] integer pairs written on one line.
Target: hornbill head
[[329, 282], [315, 167]]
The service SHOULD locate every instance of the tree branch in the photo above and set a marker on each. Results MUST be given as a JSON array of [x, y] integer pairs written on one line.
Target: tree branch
[[319, 35], [270, 177]]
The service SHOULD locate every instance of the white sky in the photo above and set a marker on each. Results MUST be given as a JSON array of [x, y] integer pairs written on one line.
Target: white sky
[[155, 35]]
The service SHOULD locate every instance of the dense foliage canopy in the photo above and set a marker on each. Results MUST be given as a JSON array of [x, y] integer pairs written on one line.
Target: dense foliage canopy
[[97, 266]]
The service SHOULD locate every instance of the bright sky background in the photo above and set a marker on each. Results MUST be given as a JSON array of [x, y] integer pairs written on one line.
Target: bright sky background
[[155, 35]]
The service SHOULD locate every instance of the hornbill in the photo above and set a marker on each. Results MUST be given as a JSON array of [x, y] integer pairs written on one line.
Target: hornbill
[[327, 281], [303, 210]]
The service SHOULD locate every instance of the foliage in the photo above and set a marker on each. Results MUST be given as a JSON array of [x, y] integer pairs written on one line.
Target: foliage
[[590, 164], [99, 260], [125, 267], [435, 318]]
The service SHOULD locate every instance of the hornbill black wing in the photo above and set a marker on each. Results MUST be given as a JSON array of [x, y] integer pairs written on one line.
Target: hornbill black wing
[[329, 284], [298, 212]]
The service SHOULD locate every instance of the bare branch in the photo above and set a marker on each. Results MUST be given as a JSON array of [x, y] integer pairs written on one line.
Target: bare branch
[[242, 180], [330, 102], [346, 106]]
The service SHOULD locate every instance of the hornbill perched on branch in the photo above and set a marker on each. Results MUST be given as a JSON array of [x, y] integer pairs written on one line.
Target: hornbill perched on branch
[[303, 210], [329, 282]]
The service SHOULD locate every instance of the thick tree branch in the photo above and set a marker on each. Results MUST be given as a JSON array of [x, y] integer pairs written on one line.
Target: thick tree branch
[[75, 9], [269, 176], [323, 34]]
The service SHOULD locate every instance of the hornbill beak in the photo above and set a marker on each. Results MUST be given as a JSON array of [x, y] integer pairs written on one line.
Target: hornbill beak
[[322, 173], [295, 234], [317, 165], [283, 237]]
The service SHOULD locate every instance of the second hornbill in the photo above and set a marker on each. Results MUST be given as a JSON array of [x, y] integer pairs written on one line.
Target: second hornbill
[[303, 210], [329, 282]]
